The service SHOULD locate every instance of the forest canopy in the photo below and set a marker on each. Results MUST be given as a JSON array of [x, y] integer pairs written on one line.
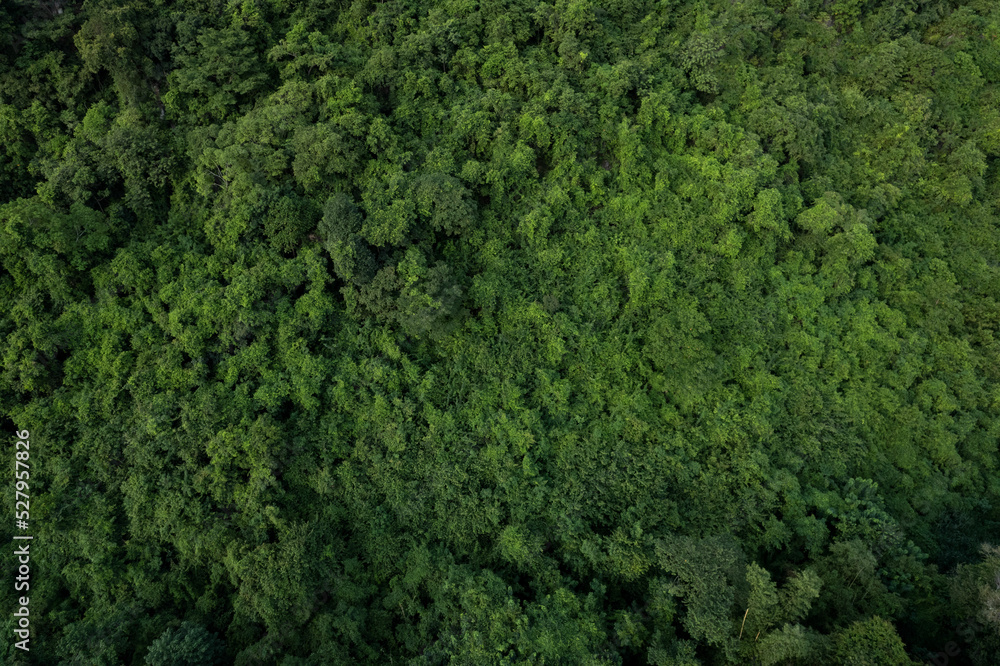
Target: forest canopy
[[578, 332]]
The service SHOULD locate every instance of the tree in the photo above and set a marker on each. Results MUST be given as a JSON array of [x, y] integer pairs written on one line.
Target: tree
[[596, 332], [869, 642], [708, 571], [190, 644], [975, 593]]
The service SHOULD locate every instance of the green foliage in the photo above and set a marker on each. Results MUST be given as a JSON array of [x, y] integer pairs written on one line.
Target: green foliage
[[791, 644], [767, 608], [188, 645], [975, 593], [581, 332], [869, 642], [708, 573]]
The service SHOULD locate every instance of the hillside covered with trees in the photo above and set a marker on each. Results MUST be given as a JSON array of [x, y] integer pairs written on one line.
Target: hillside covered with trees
[[599, 332]]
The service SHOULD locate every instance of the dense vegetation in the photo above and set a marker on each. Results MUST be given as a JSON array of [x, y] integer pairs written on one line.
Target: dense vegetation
[[582, 332]]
